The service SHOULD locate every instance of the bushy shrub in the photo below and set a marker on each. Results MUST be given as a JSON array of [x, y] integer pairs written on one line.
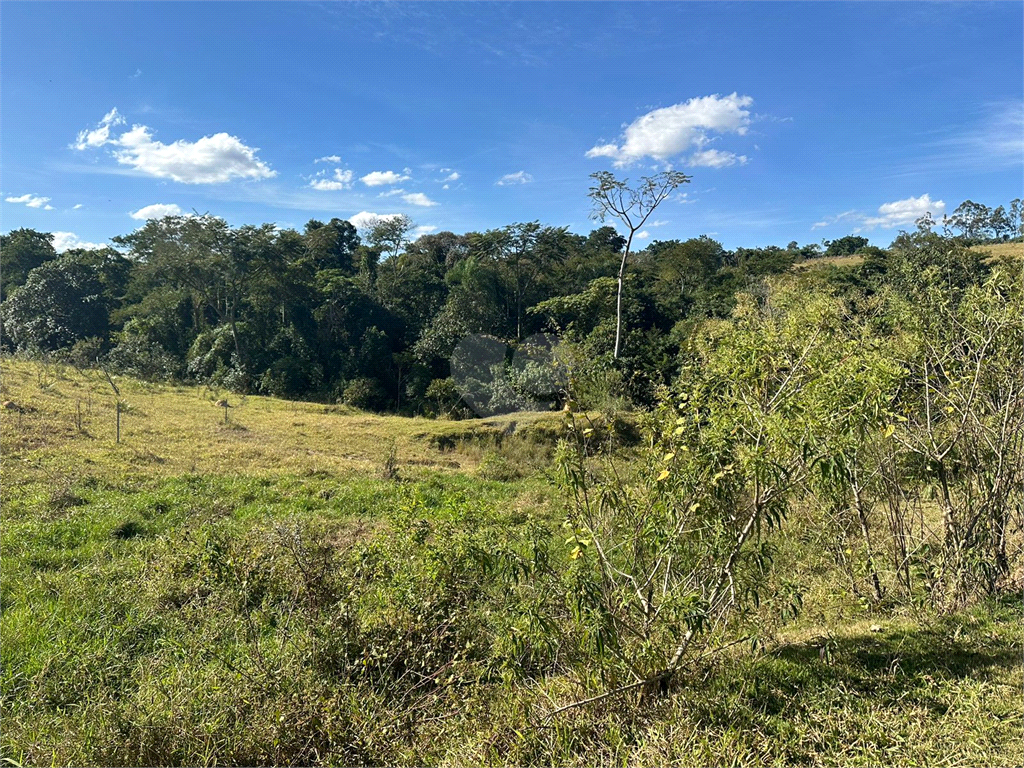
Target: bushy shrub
[[444, 397], [364, 393], [85, 353], [134, 354]]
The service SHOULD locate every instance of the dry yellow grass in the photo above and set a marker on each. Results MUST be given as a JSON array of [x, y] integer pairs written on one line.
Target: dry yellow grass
[[995, 252], [833, 261], [168, 430], [999, 250]]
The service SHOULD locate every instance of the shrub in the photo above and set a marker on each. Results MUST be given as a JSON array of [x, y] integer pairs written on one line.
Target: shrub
[[364, 393]]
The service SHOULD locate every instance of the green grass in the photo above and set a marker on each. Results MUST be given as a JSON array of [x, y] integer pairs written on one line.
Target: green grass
[[257, 596]]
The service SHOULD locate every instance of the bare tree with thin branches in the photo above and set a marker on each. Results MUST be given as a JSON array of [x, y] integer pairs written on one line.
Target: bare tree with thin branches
[[632, 206]]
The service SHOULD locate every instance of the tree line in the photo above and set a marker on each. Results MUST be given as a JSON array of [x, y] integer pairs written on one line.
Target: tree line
[[372, 319]]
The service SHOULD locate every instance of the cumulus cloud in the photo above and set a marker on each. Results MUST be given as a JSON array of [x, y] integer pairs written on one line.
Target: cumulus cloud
[[391, 192], [328, 159], [64, 241], [156, 211], [898, 213], [716, 158], [366, 219], [210, 160], [905, 211], [342, 179], [380, 178], [32, 201], [76, 206], [519, 177], [418, 198], [658, 223], [642, 235], [667, 132], [453, 176]]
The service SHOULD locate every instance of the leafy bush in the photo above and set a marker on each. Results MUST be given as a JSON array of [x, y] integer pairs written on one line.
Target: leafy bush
[[364, 393], [134, 354]]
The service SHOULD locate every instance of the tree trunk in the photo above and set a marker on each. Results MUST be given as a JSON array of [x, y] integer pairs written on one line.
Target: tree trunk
[[862, 517], [618, 298]]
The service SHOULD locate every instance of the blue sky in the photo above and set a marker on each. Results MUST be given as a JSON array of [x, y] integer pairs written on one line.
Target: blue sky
[[796, 121]]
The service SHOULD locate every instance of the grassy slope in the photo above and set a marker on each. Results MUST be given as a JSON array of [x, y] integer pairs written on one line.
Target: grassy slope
[[999, 250], [115, 651], [168, 430], [995, 252]]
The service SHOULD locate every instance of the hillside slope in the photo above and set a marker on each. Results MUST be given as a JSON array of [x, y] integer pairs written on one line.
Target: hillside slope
[[167, 430]]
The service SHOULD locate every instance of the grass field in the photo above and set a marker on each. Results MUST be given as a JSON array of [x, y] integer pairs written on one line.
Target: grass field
[[999, 250], [167, 430], [995, 252], [833, 261], [278, 589]]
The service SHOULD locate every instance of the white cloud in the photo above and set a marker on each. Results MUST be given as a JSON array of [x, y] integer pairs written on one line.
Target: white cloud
[[328, 159], [669, 131], [365, 219], [603, 150], [643, 235], [519, 177], [658, 223], [32, 201], [391, 192], [426, 229], [76, 206], [342, 180], [380, 178], [715, 158], [453, 176], [418, 198], [210, 160], [99, 135], [905, 212], [890, 215], [156, 211], [326, 185], [63, 241]]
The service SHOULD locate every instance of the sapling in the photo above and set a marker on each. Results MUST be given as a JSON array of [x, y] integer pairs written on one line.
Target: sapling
[[117, 404], [223, 403]]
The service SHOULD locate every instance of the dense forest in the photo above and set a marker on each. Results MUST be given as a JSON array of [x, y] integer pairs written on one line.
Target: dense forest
[[372, 318]]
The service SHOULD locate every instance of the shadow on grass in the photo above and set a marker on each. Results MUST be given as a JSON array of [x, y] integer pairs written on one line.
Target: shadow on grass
[[957, 646], [926, 665]]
